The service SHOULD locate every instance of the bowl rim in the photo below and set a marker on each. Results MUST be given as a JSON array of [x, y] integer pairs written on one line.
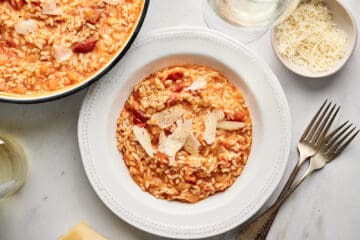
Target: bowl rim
[[324, 74], [86, 83]]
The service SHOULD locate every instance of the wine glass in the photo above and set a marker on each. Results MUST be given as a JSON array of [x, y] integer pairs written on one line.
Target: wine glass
[[13, 166], [246, 20]]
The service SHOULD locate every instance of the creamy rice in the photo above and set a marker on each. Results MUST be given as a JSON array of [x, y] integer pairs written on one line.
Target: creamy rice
[[188, 177]]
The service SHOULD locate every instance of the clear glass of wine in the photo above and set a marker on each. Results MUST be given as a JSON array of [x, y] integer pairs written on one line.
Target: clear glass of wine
[[246, 20], [13, 166]]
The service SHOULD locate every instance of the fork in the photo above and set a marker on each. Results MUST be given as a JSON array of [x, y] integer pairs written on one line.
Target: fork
[[333, 145], [308, 145], [306, 150]]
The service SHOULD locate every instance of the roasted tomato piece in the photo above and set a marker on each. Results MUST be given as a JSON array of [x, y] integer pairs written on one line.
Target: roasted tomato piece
[[171, 99], [140, 115], [85, 46], [17, 4], [239, 115], [138, 122], [175, 76], [179, 88]]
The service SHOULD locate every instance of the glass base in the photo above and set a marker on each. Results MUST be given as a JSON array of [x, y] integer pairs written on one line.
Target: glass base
[[215, 22]]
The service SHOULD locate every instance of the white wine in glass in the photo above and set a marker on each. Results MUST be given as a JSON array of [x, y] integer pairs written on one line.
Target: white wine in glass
[[246, 19], [13, 166]]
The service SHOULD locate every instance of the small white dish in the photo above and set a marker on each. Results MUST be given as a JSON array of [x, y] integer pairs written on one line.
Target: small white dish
[[109, 175], [344, 19]]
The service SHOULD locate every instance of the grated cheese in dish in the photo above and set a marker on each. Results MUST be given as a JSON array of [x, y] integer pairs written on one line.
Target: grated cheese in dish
[[310, 38]]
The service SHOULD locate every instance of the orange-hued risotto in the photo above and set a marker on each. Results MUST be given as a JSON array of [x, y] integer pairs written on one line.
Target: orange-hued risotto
[[185, 133], [48, 45]]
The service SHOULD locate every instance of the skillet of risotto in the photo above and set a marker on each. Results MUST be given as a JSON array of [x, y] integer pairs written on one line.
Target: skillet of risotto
[[185, 133], [49, 46]]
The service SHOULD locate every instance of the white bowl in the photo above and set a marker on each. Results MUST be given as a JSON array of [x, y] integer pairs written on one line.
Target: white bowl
[[221, 212], [344, 19]]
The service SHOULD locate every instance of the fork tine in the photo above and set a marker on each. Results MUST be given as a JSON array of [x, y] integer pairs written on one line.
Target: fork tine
[[342, 147], [317, 123], [335, 135], [325, 125], [326, 130], [337, 144], [328, 137], [309, 127]]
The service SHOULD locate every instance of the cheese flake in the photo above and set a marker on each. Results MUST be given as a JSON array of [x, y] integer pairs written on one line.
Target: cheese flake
[[143, 137], [49, 8], [176, 140], [162, 141], [199, 83], [26, 26], [210, 125], [192, 145], [113, 2], [168, 116], [62, 53], [230, 125]]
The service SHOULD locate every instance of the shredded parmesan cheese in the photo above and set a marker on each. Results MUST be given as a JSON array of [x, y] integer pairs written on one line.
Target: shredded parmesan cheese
[[310, 38]]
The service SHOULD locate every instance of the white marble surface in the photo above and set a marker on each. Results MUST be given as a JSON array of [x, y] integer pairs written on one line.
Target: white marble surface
[[58, 195]]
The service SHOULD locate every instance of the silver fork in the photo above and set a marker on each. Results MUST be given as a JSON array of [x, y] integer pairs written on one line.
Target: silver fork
[[333, 145], [308, 145]]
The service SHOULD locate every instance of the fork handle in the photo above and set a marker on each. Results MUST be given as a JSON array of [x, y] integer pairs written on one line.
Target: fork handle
[[312, 167], [258, 228], [254, 230], [264, 230]]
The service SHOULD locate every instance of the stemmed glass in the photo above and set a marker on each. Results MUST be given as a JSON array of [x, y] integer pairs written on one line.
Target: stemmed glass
[[246, 20], [13, 166]]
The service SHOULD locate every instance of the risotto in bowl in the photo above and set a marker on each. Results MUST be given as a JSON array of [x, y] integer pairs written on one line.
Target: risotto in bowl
[[51, 48], [185, 133], [188, 137]]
